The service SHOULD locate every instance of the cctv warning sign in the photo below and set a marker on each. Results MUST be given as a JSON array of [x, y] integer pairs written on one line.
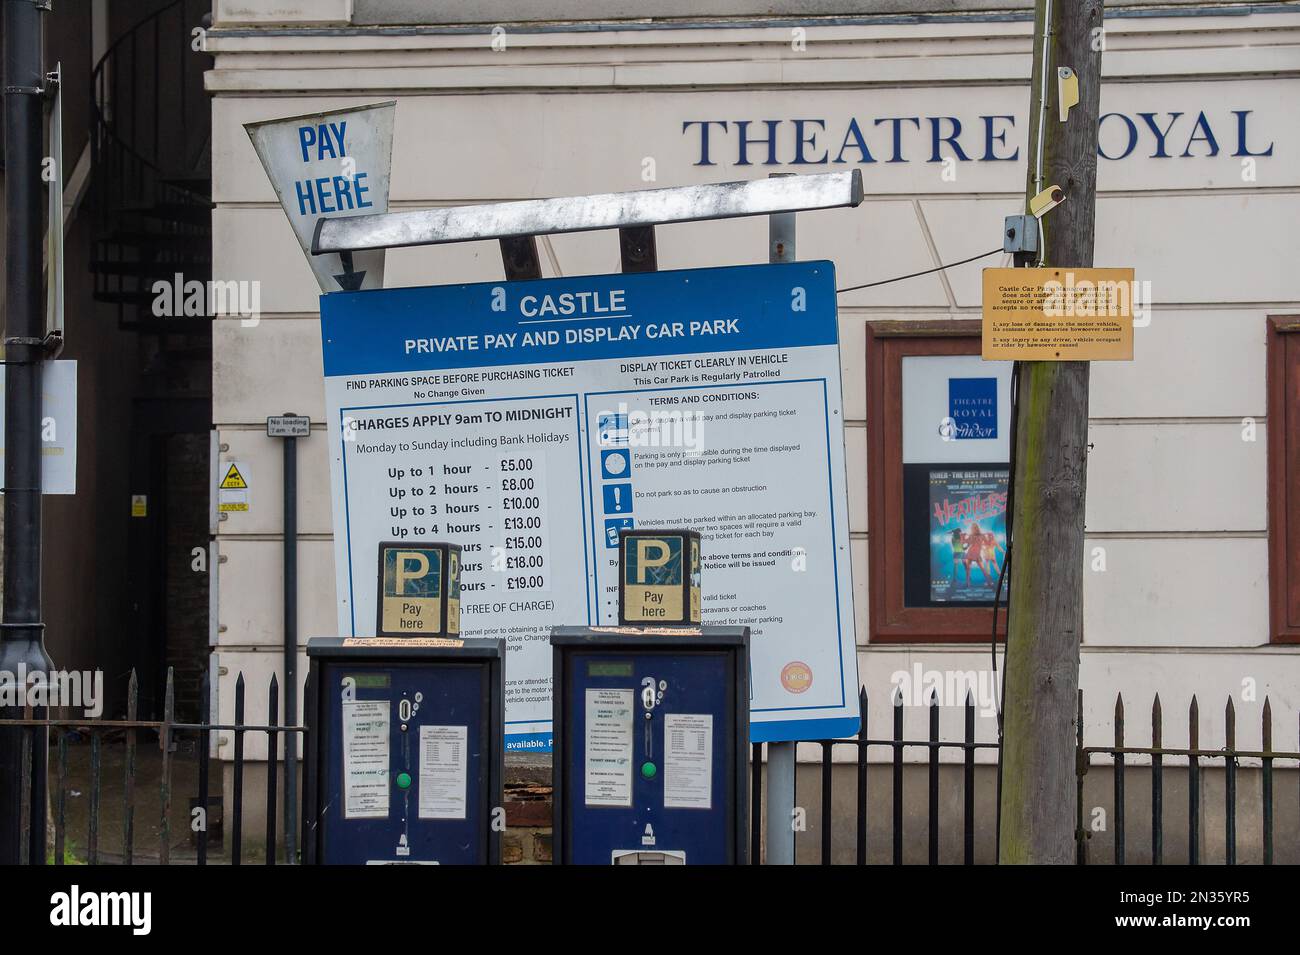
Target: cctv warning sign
[[234, 480], [233, 490]]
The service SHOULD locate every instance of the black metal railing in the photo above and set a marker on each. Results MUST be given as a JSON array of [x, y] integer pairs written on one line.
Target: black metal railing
[[898, 744], [1157, 752], [1120, 753], [123, 736]]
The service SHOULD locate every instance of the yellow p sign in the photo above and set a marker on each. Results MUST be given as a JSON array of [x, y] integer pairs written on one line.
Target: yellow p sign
[[404, 560], [419, 589], [645, 562], [654, 585]]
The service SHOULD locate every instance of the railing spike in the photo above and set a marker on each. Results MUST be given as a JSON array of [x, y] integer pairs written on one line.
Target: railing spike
[[1157, 784], [272, 757], [165, 773], [128, 784]]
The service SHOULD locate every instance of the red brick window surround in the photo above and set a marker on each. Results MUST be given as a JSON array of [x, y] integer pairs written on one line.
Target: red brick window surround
[[921, 589], [1284, 477]]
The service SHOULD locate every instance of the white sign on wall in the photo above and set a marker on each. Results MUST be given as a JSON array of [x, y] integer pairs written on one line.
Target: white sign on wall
[[58, 427], [330, 165], [935, 420]]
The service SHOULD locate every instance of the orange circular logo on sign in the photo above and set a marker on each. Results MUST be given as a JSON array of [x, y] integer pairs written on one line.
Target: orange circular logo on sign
[[796, 677]]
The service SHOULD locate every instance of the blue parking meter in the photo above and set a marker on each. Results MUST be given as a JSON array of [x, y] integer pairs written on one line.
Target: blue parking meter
[[404, 751], [651, 757]]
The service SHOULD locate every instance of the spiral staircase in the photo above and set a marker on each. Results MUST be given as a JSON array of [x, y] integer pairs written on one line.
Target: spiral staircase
[[150, 142], [150, 221]]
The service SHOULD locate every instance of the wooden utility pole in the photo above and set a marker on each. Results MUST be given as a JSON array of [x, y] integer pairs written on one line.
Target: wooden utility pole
[[1045, 622]]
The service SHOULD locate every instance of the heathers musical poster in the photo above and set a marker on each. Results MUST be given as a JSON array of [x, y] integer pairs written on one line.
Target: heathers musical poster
[[968, 534]]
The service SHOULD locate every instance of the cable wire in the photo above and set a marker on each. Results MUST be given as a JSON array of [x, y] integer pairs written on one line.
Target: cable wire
[[937, 268]]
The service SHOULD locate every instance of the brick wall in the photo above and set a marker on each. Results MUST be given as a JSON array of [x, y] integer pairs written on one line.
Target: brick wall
[[527, 839]]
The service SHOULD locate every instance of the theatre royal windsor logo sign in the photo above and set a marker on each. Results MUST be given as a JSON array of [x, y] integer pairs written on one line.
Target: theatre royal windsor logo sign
[[1174, 134]]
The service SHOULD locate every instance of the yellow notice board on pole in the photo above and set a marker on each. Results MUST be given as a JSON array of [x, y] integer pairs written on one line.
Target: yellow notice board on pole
[[1058, 314]]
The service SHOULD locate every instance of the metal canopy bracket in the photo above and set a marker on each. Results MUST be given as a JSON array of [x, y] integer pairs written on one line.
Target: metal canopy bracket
[[519, 256], [637, 250], [614, 210]]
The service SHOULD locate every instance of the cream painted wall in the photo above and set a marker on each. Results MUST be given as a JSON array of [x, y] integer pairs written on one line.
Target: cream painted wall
[[1176, 498]]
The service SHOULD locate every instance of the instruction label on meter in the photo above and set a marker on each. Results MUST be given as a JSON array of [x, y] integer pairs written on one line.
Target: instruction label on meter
[[608, 747], [530, 421], [444, 771], [365, 759], [688, 761]]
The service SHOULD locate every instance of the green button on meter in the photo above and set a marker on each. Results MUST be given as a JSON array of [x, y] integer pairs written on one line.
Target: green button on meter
[[403, 780], [648, 770]]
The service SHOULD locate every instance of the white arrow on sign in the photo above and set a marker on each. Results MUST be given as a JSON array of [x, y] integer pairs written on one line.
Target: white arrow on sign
[[328, 165]]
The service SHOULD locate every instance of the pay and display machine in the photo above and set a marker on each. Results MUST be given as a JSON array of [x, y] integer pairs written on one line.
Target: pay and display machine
[[651, 745], [404, 751]]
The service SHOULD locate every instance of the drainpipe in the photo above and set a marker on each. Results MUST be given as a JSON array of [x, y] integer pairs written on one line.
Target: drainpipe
[[22, 640]]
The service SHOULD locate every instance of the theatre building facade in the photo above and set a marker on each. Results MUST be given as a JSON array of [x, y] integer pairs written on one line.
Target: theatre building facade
[[1192, 579]]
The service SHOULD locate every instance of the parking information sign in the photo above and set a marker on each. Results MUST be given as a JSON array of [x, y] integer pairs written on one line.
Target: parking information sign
[[531, 421]]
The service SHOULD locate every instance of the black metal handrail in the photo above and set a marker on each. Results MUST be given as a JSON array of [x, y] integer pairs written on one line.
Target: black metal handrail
[[105, 125]]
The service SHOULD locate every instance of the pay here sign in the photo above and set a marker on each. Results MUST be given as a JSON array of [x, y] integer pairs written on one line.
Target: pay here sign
[[531, 421]]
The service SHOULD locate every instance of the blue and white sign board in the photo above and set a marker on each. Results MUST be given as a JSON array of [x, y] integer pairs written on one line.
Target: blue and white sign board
[[529, 421], [327, 165]]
